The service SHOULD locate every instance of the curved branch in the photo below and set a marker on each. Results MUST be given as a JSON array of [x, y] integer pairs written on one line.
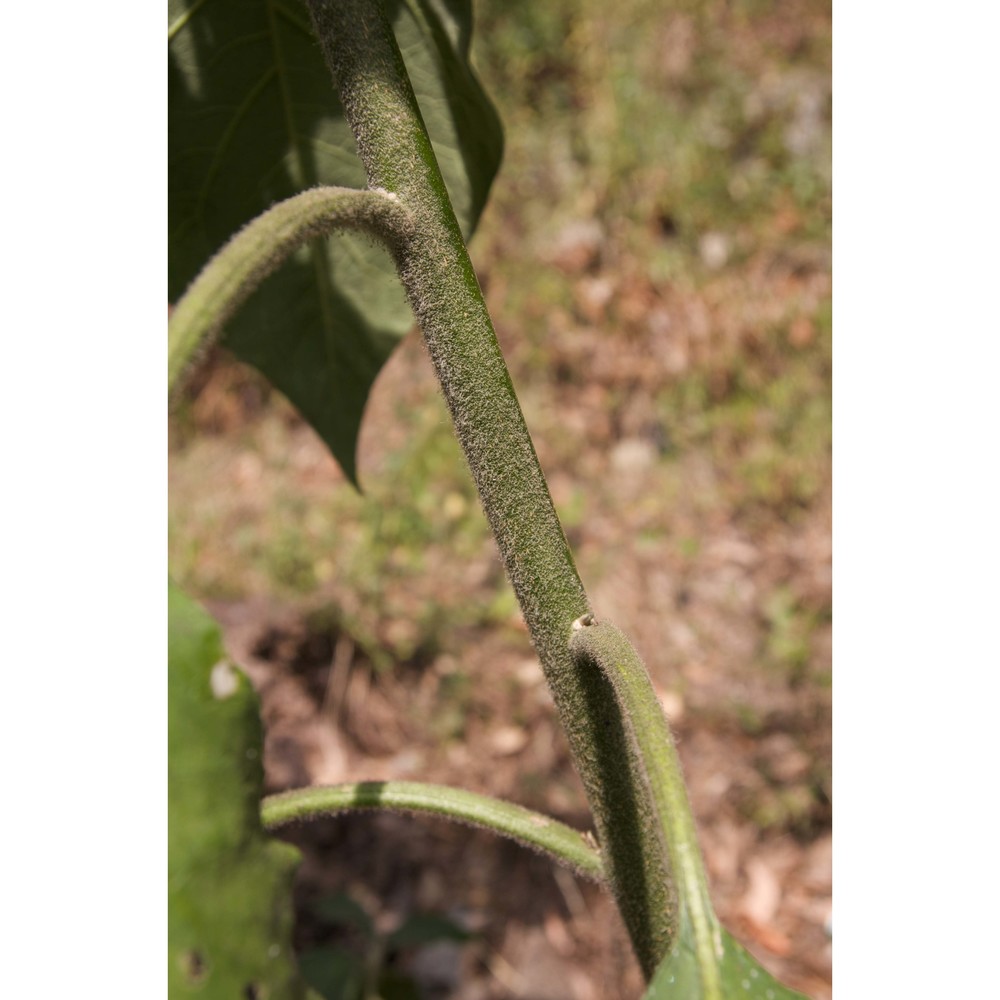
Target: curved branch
[[604, 647], [559, 842], [260, 248]]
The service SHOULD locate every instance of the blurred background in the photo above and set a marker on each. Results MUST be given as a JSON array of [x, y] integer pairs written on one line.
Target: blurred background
[[656, 257]]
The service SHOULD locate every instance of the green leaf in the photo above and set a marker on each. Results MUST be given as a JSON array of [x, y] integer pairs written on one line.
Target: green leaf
[[426, 928], [741, 977], [229, 885], [336, 974], [394, 985], [254, 118], [343, 911]]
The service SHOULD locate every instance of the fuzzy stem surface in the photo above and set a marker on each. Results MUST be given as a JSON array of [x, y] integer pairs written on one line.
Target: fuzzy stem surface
[[442, 287], [561, 843], [259, 249], [604, 647]]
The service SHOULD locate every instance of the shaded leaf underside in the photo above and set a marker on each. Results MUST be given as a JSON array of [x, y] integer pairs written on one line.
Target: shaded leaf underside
[[253, 119]]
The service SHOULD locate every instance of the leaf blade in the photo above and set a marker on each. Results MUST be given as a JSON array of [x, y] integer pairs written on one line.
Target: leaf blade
[[230, 905], [741, 976], [254, 118]]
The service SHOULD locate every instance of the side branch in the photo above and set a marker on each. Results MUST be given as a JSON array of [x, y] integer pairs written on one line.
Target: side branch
[[260, 248], [604, 647], [559, 842]]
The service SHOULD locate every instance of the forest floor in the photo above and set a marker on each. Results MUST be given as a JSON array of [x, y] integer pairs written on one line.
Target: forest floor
[[656, 256]]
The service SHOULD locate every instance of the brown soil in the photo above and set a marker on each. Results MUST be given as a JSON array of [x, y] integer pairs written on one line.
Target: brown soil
[[476, 713], [541, 932]]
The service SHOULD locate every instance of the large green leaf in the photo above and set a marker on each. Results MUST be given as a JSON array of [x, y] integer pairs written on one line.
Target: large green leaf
[[741, 977], [230, 904], [254, 118]]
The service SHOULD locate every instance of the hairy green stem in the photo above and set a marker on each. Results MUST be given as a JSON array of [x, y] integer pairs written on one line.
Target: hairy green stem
[[259, 248], [561, 843], [441, 284], [603, 647]]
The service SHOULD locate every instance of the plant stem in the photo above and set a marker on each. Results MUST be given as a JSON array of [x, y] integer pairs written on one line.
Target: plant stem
[[259, 249], [441, 284], [605, 648], [561, 843]]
